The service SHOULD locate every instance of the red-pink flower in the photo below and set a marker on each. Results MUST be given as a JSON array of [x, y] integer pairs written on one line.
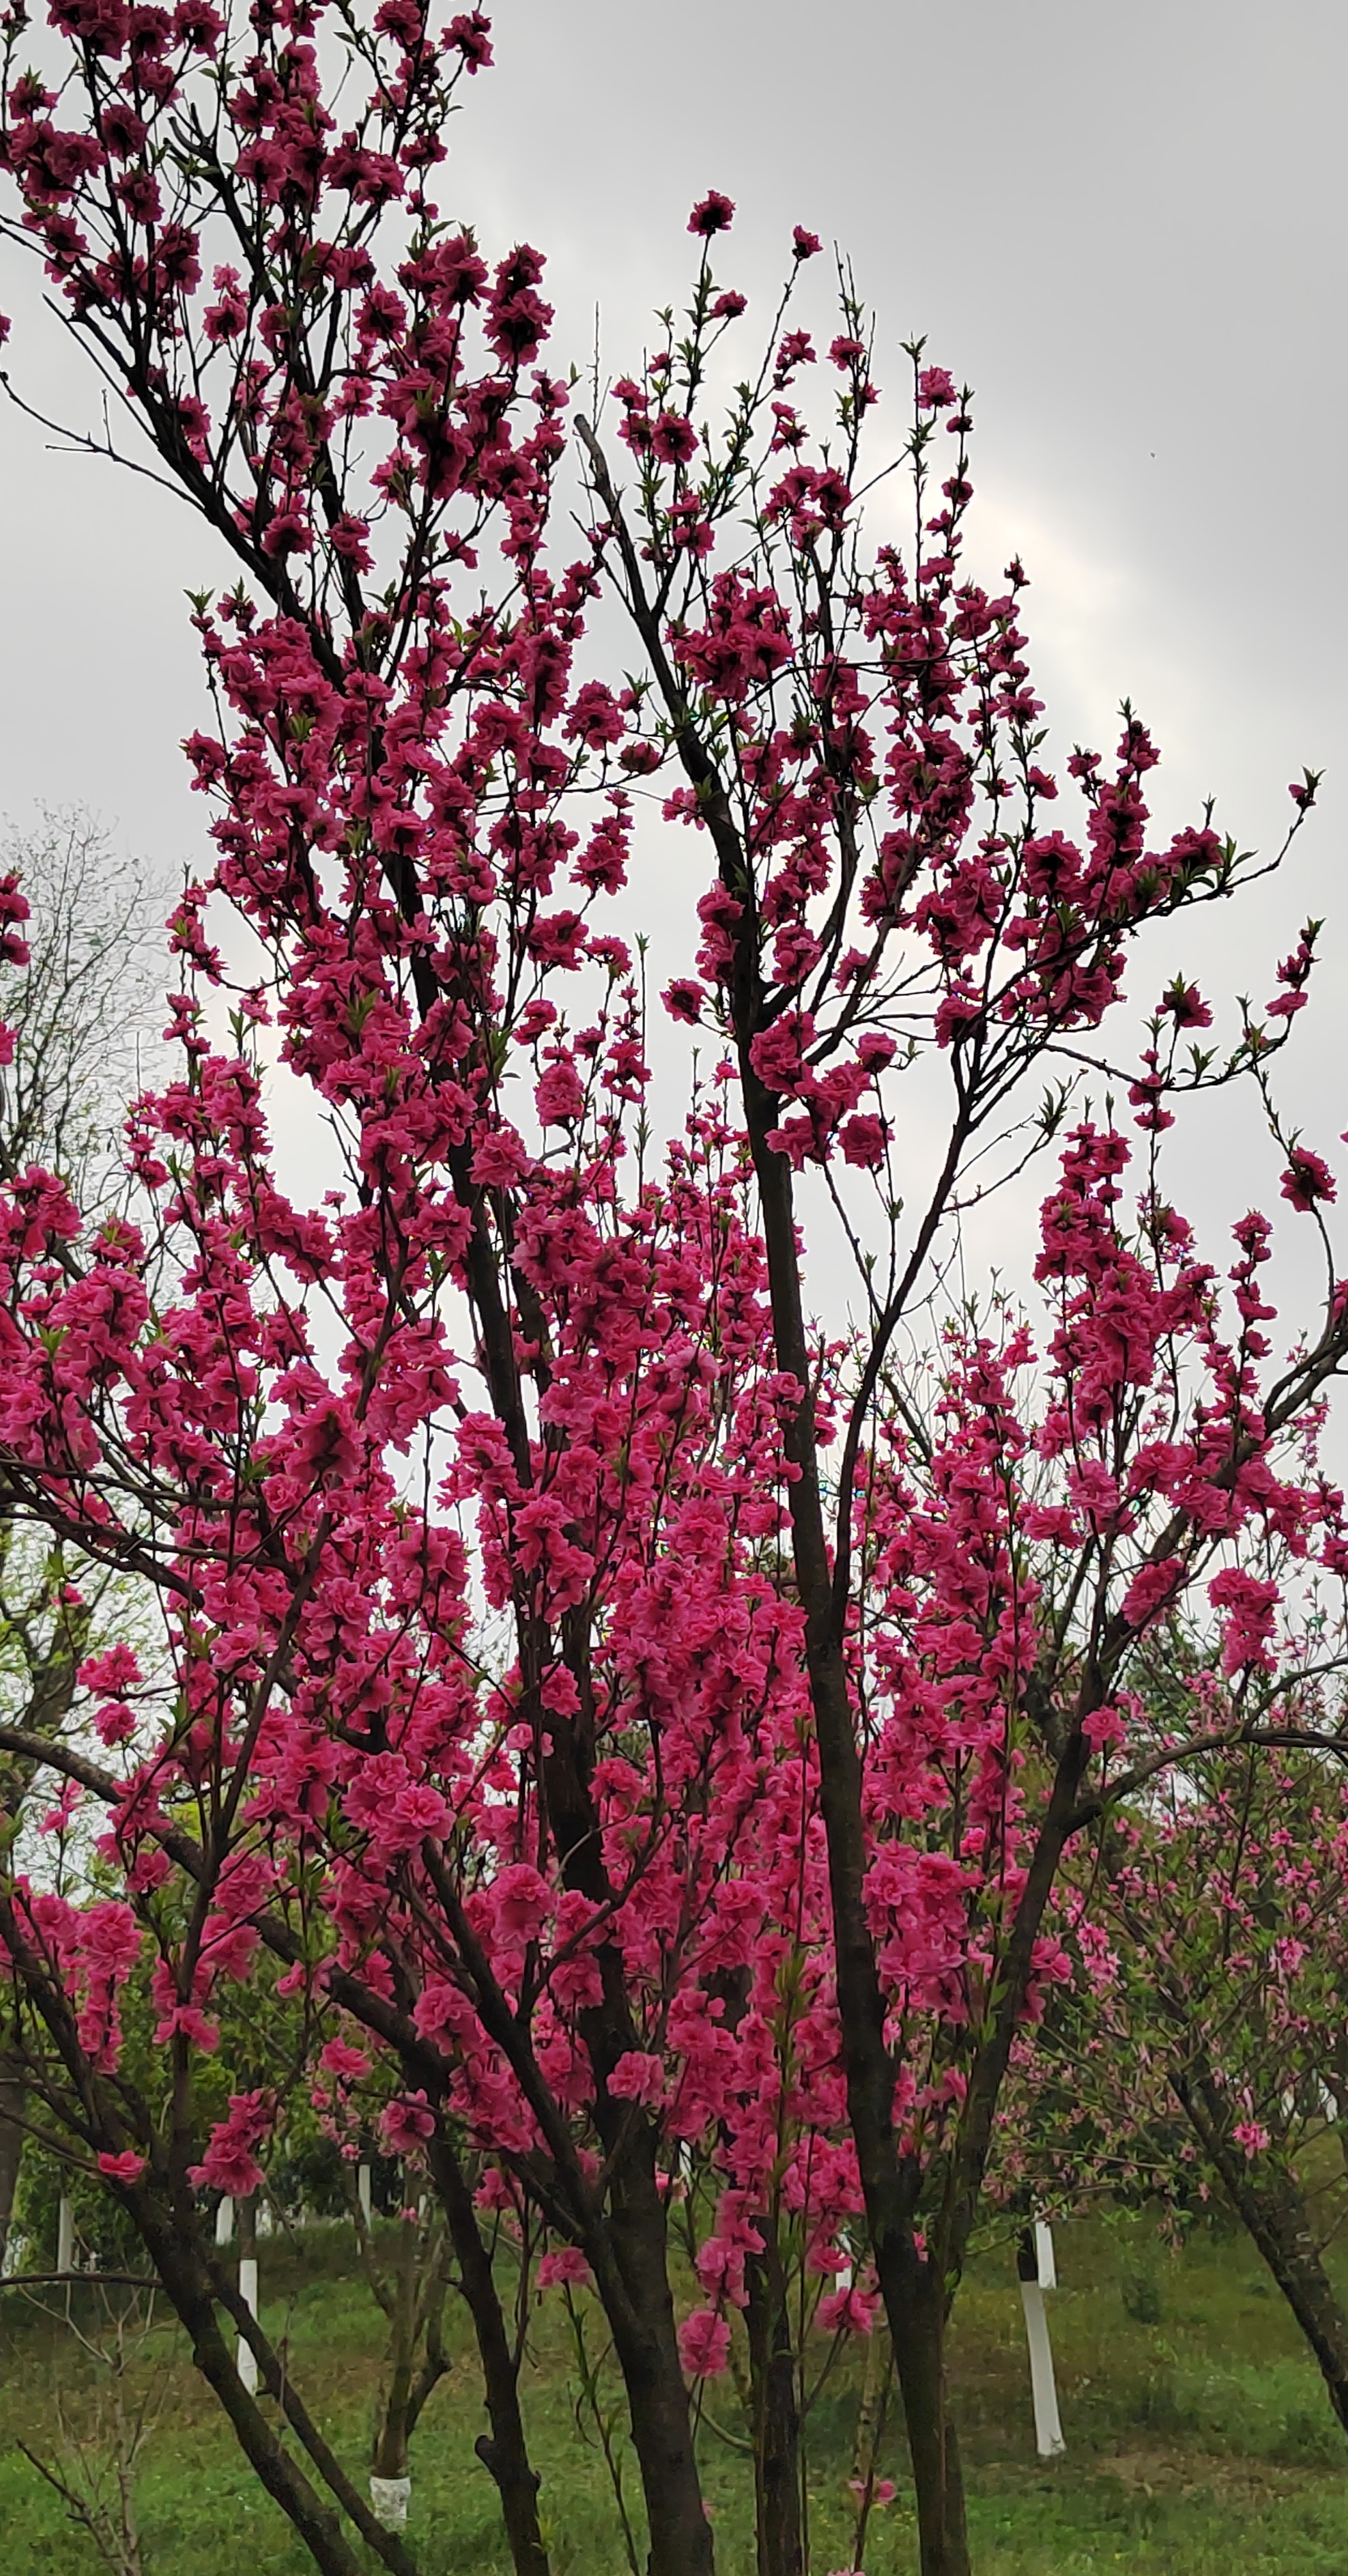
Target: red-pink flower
[[406, 2123], [1307, 1178], [124, 2168], [713, 213], [863, 1141], [340, 2058], [230, 2164], [637, 2077], [704, 2344], [566, 2265], [847, 2312]]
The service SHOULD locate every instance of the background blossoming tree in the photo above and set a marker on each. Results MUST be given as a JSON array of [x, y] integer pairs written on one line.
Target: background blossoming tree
[[564, 1628]]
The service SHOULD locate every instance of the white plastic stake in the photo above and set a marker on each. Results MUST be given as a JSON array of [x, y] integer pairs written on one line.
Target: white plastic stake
[[363, 2190], [65, 2237], [224, 2220], [1047, 2424], [248, 2294], [1043, 2255]]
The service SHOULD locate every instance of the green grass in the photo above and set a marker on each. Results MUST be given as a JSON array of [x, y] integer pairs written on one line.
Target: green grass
[[1200, 2442]]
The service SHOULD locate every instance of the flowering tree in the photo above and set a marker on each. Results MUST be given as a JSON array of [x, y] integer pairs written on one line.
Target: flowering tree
[[564, 1630], [859, 742], [70, 1006], [1204, 2044]]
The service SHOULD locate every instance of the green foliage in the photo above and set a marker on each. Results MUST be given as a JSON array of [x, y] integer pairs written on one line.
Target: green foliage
[[102, 2229], [1141, 2290]]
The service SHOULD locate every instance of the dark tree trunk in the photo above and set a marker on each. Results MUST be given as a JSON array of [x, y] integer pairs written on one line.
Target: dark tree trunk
[[389, 2455], [641, 2321], [914, 2296], [919, 2359], [776, 2414], [187, 2284], [504, 2452]]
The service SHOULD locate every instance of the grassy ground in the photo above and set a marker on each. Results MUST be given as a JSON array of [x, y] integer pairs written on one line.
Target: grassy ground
[[1199, 2440]]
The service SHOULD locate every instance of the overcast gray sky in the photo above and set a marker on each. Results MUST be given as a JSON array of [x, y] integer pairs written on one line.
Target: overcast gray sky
[[1124, 225]]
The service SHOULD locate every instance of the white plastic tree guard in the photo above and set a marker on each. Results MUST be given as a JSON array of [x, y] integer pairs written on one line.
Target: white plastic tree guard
[[224, 2220], [65, 2236], [1047, 2422], [390, 2498], [1038, 2272], [247, 2363], [365, 2194]]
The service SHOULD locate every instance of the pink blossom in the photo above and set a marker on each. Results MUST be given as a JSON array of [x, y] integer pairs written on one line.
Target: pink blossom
[[1152, 1589], [847, 2312], [521, 1899], [1251, 1607], [1186, 1006], [713, 213], [124, 2168], [340, 2058], [704, 2344], [863, 1141], [1307, 1178], [230, 2164], [566, 2265], [558, 1094], [637, 2077], [406, 2123]]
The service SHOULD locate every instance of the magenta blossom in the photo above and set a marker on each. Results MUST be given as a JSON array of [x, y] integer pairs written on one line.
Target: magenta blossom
[[704, 2344], [125, 2168], [713, 213], [1307, 1178]]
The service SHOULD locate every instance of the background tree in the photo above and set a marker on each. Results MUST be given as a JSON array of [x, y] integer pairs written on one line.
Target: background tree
[[1201, 2050], [75, 991]]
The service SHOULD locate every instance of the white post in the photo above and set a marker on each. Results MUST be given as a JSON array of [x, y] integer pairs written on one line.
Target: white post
[[363, 2190], [224, 2220], [65, 2236], [1044, 2262], [248, 2294], [265, 2221]]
